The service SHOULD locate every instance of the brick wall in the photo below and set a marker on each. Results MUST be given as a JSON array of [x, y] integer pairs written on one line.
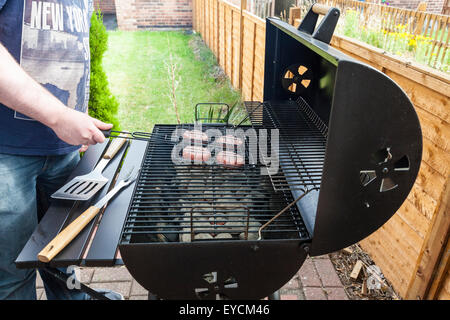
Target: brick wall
[[434, 6], [144, 14], [106, 6]]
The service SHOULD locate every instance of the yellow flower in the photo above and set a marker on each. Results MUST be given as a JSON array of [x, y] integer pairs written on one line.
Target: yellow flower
[[412, 43]]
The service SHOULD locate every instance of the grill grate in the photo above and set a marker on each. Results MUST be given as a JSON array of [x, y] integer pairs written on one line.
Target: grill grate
[[302, 140], [184, 203]]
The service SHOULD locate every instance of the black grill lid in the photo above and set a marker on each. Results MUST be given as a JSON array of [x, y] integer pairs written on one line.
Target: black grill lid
[[373, 155], [374, 142]]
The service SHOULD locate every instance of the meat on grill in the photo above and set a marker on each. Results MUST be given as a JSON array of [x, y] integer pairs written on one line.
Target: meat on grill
[[228, 158], [229, 140], [196, 153], [195, 136]]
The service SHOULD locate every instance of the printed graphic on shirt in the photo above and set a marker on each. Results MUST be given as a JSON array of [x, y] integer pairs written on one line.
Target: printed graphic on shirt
[[55, 49]]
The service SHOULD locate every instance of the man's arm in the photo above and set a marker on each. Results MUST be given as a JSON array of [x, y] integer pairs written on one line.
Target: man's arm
[[20, 92]]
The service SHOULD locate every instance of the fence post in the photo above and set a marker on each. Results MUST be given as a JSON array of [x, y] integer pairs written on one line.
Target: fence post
[[194, 23], [421, 8], [217, 31], [294, 13], [241, 41]]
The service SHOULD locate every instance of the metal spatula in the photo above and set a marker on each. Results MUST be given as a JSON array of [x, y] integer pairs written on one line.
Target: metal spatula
[[74, 228], [85, 186]]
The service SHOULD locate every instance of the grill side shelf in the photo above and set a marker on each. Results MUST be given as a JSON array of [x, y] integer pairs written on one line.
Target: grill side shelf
[[57, 216], [104, 245], [79, 245]]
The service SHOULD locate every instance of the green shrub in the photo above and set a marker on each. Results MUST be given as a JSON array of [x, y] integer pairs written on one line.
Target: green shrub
[[102, 104], [351, 23]]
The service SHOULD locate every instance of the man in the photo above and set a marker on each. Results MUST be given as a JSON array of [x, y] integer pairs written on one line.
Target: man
[[44, 90]]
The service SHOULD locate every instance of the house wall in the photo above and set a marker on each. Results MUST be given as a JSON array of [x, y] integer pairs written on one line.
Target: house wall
[[106, 6], [150, 14], [434, 6]]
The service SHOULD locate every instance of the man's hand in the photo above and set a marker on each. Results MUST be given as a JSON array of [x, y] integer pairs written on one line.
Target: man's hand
[[78, 128]]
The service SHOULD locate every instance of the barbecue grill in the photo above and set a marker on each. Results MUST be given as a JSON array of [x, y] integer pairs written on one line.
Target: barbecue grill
[[350, 147]]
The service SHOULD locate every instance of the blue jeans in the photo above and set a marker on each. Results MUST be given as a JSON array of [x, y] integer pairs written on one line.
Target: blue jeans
[[26, 183]]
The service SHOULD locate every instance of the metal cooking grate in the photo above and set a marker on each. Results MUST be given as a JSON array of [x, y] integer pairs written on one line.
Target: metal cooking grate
[[302, 140], [184, 203]]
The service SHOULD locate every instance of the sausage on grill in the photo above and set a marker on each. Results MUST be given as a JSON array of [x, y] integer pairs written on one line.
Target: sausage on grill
[[228, 158], [230, 140], [195, 135], [196, 153]]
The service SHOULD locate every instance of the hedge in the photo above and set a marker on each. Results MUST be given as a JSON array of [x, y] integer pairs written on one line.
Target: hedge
[[102, 104]]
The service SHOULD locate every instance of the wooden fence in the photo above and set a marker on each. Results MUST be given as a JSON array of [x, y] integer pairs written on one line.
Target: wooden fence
[[240, 54], [261, 8], [435, 27], [411, 248]]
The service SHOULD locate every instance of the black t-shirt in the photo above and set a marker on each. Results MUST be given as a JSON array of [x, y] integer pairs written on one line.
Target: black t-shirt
[[50, 40]]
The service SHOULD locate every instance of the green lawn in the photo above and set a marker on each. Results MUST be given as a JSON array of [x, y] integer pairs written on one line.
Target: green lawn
[[137, 65]]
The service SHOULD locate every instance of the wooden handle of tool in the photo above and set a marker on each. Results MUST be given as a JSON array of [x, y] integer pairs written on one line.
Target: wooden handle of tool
[[113, 147], [320, 8], [67, 235]]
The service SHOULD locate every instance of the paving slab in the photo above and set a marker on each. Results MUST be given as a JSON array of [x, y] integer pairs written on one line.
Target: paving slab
[[314, 293], [123, 287], [289, 297], [86, 274], [292, 292], [325, 256], [308, 275], [137, 289], [39, 282], [111, 274], [39, 293], [138, 298], [293, 283], [43, 295], [327, 273], [336, 293]]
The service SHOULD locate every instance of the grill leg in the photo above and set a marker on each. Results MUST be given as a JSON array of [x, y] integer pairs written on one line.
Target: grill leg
[[274, 296]]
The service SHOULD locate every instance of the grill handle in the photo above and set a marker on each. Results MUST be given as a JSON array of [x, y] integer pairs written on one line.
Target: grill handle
[[324, 32], [319, 8], [210, 117]]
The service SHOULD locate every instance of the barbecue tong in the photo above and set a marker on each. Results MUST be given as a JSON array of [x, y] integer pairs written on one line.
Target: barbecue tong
[[137, 135], [73, 229]]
